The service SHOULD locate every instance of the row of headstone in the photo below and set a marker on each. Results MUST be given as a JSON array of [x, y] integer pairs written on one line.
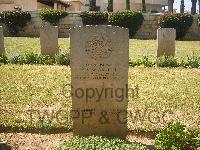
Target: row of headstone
[[49, 41], [165, 37], [99, 70]]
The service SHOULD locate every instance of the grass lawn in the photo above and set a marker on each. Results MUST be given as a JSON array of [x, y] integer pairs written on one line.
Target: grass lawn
[[30, 95], [138, 48], [172, 92]]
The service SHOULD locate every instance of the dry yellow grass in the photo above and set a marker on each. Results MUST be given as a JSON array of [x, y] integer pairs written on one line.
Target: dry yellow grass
[[43, 88]]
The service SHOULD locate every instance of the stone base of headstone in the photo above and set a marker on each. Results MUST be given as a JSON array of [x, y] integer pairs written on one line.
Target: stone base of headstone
[[166, 42], [49, 40], [2, 48], [99, 69]]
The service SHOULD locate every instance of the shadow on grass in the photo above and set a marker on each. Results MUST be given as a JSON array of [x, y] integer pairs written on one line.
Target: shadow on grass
[[142, 133], [52, 130], [8, 129], [145, 134]]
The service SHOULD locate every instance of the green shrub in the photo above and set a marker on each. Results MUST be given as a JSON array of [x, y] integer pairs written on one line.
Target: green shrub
[[32, 58], [17, 59], [99, 143], [197, 139], [52, 16], [180, 22], [3, 59], [144, 61], [63, 59], [94, 18], [138, 62], [128, 19], [167, 61], [176, 137], [15, 20], [47, 60], [193, 62]]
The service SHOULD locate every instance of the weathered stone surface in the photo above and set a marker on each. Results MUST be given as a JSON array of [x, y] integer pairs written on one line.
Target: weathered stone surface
[[49, 40], [99, 67], [2, 48], [166, 41]]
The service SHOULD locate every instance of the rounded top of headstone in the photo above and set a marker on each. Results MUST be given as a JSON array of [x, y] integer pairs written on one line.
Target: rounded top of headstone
[[167, 29], [48, 26], [96, 27]]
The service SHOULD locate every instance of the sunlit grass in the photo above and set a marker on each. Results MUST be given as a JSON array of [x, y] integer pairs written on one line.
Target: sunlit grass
[[137, 48], [15, 45], [38, 87], [140, 48]]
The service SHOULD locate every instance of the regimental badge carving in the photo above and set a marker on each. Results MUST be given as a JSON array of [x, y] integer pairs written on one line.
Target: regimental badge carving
[[98, 46]]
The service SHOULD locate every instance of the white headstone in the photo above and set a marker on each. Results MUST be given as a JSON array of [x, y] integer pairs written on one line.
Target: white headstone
[[49, 40], [99, 69], [166, 41]]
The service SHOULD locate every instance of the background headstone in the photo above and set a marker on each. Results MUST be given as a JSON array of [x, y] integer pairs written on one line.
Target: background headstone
[[166, 41], [2, 48], [49, 40], [99, 67]]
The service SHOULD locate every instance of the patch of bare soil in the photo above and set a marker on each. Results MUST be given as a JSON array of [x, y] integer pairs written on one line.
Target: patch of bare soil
[[145, 139], [30, 141]]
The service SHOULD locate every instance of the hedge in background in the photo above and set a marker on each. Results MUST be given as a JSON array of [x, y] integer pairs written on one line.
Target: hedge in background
[[15, 20], [94, 18], [52, 16], [1, 17], [128, 19], [180, 22]]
